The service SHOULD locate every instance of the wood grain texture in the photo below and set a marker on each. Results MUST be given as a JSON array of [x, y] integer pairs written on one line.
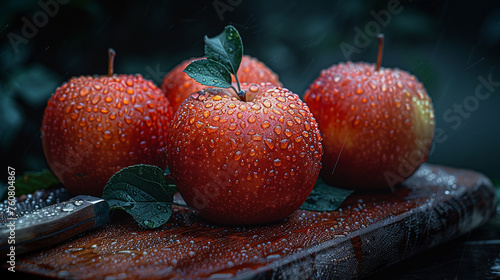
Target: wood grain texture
[[473, 256], [370, 232]]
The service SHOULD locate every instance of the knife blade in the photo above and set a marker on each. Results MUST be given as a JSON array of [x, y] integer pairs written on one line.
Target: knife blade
[[52, 224]]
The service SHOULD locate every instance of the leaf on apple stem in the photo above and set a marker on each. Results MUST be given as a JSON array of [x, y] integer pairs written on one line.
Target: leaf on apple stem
[[143, 192], [324, 197], [209, 73], [223, 57], [226, 48]]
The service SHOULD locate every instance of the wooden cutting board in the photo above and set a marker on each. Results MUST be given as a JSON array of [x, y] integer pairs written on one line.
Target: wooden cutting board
[[370, 232]]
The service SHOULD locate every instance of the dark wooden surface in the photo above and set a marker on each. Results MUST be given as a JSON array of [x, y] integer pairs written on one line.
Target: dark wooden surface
[[372, 233], [475, 255]]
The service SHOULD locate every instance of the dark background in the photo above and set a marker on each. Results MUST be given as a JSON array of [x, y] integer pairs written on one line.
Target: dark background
[[446, 44]]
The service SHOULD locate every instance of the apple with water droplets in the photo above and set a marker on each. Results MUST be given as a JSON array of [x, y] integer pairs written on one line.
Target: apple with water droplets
[[377, 124], [248, 161], [242, 156], [93, 126]]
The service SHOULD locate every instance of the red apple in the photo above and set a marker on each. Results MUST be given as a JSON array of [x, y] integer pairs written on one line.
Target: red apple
[[93, 126], [377, 124], [241, 154], [242, 161]]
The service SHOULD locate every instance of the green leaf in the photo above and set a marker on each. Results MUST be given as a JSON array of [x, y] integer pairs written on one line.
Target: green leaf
[[223, 57], [142, 191], [225, 48], [30, 182], [209, 72], [324, 197]]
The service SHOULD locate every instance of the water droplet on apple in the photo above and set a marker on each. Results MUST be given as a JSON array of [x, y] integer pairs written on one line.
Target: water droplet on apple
[[107, 134], [284, 143], [256, 137], [277, 129], [269, 143], [237, 155]]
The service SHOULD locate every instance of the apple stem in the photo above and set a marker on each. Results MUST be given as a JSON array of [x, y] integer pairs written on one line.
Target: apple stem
[[239, 92], [111, 58], [380, 39], [235, 90], [242, 95], [237, 81]]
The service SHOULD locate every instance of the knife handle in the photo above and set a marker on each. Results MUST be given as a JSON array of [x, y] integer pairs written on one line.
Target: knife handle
[[52, 224]]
